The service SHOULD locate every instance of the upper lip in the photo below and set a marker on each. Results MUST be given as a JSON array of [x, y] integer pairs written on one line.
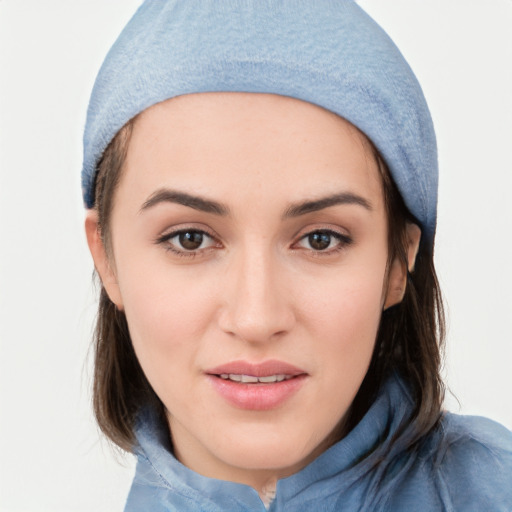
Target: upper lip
[[263, 369]]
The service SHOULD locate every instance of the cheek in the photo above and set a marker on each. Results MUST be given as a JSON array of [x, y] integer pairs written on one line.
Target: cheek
[[345, 320], [168, 313], [350, 300]]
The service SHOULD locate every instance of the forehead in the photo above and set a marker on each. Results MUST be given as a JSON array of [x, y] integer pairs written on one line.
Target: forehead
[[218, 142]]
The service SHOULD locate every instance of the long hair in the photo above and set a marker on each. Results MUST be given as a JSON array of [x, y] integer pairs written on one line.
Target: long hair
[[409, 340]]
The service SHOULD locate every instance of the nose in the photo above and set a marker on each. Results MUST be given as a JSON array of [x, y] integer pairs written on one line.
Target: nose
[[257, 305]]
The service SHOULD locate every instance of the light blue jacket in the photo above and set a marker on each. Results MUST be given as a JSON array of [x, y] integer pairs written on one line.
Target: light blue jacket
[[465, 465]]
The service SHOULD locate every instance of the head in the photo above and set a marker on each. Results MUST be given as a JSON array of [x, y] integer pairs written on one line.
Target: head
[[256, 234]]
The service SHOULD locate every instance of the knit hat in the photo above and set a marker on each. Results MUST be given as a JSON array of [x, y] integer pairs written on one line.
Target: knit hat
[[326, 52]]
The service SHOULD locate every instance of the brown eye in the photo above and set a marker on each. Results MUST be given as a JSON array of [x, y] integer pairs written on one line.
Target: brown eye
[[191, 240], [319, 241], [187, 241], [324, 240]]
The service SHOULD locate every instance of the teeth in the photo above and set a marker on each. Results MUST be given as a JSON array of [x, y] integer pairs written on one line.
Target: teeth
[[251, 379], [270, 378]]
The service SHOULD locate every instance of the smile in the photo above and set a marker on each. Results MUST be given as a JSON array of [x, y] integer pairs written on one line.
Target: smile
[[257, 386], [252, 379]]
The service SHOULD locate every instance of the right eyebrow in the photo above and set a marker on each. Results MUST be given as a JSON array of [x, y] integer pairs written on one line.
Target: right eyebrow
[[165, 195]]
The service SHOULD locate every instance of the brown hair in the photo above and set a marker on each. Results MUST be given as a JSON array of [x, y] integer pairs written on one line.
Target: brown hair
[[409, 340], [120, 387]]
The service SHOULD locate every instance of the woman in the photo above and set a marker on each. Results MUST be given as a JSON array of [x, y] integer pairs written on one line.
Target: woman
[[261, 180]]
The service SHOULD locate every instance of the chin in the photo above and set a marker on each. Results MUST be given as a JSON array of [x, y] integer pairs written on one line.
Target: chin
[[269, 451]]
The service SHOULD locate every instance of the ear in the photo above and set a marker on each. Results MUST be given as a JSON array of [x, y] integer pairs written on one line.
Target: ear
[[397, 277], [102, 262]]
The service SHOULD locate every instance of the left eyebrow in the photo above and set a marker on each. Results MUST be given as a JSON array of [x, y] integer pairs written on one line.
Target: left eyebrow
[[295, 210]]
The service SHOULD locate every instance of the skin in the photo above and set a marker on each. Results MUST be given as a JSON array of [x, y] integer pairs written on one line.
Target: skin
[[256, 288]]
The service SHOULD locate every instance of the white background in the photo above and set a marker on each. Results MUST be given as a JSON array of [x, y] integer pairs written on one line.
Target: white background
[[51, 455]]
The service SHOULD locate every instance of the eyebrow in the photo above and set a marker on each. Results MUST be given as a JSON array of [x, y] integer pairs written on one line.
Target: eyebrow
[[165, 195], [303, 208], [209, 206]]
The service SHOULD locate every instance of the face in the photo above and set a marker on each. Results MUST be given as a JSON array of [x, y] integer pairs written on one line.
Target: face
[[249, 253]]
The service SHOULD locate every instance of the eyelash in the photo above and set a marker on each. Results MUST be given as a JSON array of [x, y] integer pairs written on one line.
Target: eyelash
[[343, 242], [183, 253], [342, 239]]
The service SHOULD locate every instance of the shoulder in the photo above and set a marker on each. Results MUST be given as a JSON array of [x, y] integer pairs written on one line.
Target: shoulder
[[464, 465], [464, 439], [472, 461], [457, 428]]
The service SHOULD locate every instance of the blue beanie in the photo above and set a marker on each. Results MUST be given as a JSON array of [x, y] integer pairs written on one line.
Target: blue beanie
[[326, 52]]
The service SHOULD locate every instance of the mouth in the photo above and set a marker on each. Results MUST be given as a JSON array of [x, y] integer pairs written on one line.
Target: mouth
[[252, 379], [267, 372], [258, 387]]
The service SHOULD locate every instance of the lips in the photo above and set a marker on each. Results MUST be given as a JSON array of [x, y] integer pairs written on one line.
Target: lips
[[265, 369], [251, 379], [256, 387]]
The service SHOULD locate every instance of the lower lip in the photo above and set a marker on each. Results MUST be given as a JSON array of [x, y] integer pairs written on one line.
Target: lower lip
[[257, 397]]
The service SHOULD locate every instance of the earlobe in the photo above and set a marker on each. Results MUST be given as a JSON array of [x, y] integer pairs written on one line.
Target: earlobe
[[397, 277], [101, 259]]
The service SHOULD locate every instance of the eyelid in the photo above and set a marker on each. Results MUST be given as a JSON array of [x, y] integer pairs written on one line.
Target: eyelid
[[323, 227], [344, 240], [169, 234]]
